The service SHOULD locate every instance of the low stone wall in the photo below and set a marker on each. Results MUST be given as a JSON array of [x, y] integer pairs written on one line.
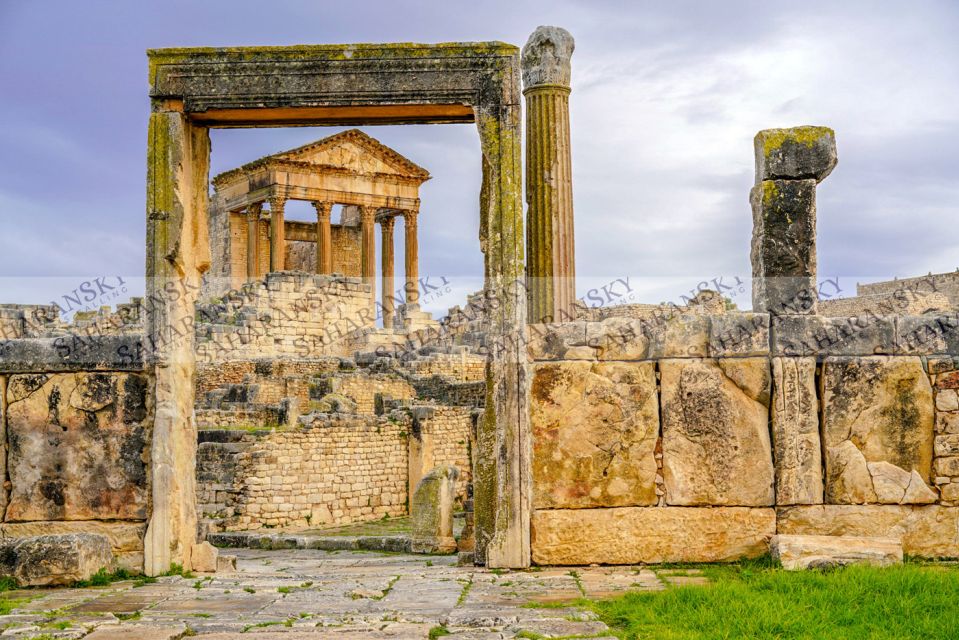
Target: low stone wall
[[695, 438], [77, 422]]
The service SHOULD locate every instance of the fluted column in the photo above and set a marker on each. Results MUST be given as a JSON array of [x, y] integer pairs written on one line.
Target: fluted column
[[324, 239], [412, 256], [368, 248], [550, 261], [386, 228], [277, 234], [252, 243]]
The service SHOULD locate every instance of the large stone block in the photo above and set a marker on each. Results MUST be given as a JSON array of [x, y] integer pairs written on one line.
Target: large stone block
[[595, 427], [716, 447], [822, 552], [929, 334], [739, 335], [77, 446], [795, 429], [877, 430], [126, 538], [795, 153], [784, 247], [926, 531], [54, 559], [432, 512], [631, 535], [823, 336]]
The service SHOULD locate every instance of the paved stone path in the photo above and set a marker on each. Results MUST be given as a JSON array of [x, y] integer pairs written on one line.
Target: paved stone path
[[302, 593]]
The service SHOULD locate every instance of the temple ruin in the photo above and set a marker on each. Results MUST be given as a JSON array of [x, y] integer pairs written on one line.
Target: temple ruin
[[251, 393]]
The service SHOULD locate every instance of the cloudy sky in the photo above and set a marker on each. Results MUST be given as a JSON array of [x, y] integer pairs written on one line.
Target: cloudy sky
[[666, 98]]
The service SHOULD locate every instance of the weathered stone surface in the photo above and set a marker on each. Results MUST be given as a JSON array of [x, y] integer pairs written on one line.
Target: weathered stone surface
[[716, 448], [126, 538], [546, 57], [820, 552], [739, 335], [795, 153], [225, 563], [784, 247], [947, 400], [926, 531], [929, 334], [3, 440], [877, 430], [77, 446], [432, 512], [619, 339], [54, 559], [827, 336], [682, 335], [204, 557], [630, 535], [72, 353], [140, 632], [795, 430], [556, 341], [595, 427]]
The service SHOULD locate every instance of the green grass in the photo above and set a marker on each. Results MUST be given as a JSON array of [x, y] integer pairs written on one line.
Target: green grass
[[758, 600]]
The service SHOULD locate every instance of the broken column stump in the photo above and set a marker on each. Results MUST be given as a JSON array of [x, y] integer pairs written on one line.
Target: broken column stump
[[432, 511]]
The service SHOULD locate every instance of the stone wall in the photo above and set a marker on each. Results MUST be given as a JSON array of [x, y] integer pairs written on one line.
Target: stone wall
[[697, 437], [75, 436]]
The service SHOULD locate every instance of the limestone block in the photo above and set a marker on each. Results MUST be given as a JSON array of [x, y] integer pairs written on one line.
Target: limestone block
[[681, 335], [595, 426], [795, 430], [795, 153], [204, 557], [632, 535], [947, 400], [619, 339], [828, 336], [877, 430], [126, 538], [546, 57], [3, 440], [820, 552], [926, 531], [739, 335], [225, 563], [784, 247], [432, 512], [77, 446], [929, 334], [52, 560], [553, 341], [716, 446]]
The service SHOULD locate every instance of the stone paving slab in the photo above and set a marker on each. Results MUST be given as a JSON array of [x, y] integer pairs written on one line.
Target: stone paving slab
[[307, 593]]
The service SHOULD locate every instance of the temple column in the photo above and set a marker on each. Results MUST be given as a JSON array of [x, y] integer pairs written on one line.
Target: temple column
[[252, 233], [368, 248], [550, 261], [324, 239], [386, 228], [277, 234], [412, 259]]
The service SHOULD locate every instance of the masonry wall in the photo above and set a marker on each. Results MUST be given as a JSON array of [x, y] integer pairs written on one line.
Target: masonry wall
[[75, 430], [697, 438]]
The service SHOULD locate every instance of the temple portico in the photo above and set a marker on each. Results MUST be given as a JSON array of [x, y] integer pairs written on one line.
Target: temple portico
[[373, 183]]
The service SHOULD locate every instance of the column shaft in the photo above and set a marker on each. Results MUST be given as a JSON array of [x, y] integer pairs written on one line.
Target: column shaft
[[368, 248], [252, 244], [386, 228], [277, 234], [324, 238], [412, 258]]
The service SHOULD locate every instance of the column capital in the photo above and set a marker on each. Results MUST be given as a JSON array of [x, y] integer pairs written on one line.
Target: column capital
[[368, 212], [277, 202], [323, 209], [254, 210], [546, 58], [410, 215], [387, 223]]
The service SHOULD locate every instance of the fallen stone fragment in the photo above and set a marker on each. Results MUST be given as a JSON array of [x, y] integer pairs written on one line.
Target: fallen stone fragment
[[820, 552], [54, 560]]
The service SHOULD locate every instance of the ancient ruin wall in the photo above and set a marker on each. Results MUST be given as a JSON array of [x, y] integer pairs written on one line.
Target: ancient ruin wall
[[76, 422], [696, 438]]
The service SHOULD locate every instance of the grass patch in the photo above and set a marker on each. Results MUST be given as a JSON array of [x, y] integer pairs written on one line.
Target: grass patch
[[759, 600], [438, 632]]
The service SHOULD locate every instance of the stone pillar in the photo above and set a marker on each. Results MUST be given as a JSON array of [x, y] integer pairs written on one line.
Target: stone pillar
[[550, 256], [324, 239], [368, 248], [252, 233], [412, 256], [386, 228], [431, 511], [277, 234], [789, 165]]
